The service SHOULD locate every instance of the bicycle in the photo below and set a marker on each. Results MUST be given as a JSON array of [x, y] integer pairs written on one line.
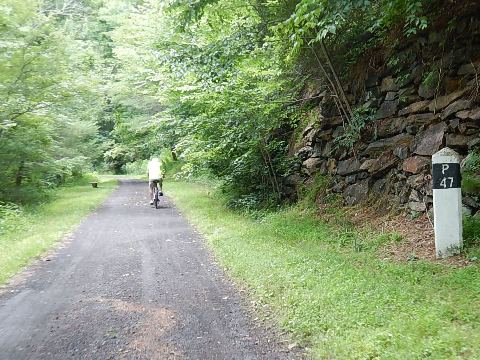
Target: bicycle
[[157, 194]]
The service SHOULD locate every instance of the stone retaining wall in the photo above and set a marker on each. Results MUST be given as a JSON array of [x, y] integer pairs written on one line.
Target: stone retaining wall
[[412, 119]]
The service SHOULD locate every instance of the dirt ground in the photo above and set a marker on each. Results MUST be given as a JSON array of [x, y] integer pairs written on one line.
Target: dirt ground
[[418, 235]]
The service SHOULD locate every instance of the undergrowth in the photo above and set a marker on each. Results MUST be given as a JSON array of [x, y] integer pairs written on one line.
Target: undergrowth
[[328, 287], [471, 236]]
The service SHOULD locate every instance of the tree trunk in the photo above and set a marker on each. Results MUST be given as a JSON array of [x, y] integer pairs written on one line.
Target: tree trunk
[[335, 76]]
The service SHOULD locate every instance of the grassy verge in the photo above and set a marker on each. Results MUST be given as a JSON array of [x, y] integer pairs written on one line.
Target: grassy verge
[[341, 299], [33, 230]]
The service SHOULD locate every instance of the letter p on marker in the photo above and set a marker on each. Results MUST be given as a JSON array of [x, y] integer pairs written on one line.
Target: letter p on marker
[[444, 168]]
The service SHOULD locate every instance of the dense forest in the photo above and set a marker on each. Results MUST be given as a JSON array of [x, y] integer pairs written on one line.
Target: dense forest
[[219, 84]]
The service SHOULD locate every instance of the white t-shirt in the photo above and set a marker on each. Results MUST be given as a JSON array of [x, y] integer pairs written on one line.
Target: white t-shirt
[[154, 172]]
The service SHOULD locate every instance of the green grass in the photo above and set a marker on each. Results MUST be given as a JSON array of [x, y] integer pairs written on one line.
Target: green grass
[[36, 229], [341, 300]]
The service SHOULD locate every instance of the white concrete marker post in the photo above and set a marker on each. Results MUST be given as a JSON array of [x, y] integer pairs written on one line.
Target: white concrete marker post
[[447, 202]]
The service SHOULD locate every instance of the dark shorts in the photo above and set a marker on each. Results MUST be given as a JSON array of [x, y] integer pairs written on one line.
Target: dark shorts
[[152, 183]]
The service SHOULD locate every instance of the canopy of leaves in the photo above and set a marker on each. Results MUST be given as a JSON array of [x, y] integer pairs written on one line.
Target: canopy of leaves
[[101, 83]]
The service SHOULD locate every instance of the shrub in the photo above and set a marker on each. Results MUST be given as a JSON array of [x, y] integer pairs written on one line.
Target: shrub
[[471, 231], [11, 217]]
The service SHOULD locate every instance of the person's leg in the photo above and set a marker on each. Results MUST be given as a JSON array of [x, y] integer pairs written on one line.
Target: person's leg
[[151, 185], [160, 185]]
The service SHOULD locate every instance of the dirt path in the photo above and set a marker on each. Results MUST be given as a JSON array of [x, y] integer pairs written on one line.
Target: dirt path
[[131, 283]]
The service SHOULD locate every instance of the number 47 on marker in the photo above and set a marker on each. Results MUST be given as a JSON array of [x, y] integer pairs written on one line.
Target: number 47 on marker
[[443, 183]]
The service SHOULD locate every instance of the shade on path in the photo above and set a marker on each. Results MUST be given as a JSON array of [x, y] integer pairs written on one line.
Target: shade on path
[[131, 282]]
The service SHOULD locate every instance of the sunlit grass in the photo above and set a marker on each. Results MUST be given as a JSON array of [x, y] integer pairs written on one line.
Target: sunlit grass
[[37, 228], [340, 299]]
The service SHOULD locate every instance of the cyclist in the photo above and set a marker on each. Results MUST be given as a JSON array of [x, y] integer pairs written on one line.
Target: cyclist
[[155, 175]]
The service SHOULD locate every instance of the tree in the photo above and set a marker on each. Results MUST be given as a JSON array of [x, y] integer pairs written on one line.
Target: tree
[[49, 99]]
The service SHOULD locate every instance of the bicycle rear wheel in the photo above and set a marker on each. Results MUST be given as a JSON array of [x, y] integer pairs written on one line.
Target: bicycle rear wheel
[[156, 198]]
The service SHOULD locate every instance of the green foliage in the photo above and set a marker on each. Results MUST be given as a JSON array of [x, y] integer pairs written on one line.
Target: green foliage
[[136, 168], [27, 232], [106, 84], [471, 231], [414, 21], [49, 98], [169, 166], [222, 92], [310, 192], [329, 288], [220, 71], [313, 21], [353, 128], [472, 163], [11, 217], [431, 78], [471, 173], [470, 183], [189, 10]]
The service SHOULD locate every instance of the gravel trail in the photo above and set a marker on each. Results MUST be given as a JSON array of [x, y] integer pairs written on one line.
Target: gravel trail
[[131, 282]]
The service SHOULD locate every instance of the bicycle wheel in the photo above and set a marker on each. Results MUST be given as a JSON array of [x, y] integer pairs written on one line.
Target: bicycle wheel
[[156, 199]]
